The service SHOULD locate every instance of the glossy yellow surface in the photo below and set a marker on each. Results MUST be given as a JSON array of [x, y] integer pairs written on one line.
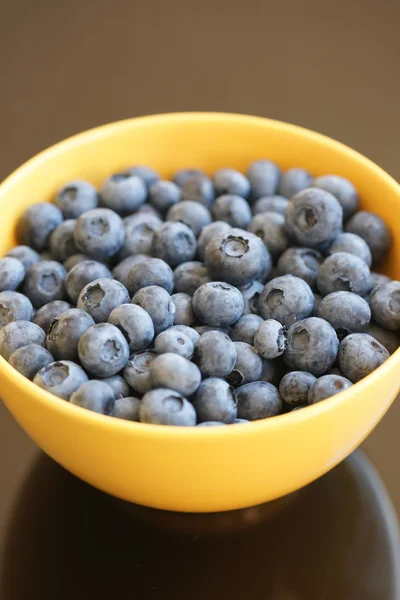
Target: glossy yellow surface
[[204, 469]]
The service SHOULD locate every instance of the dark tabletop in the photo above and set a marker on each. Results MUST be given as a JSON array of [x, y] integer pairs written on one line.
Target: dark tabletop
[[68, 66]]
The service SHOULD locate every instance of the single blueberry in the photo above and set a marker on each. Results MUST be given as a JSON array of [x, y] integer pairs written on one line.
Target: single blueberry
[[103, 350], [44, 282], [294, 180], [94, 395], [65, 332], [188, 331], [345, 311], [163, 195], [175, 243], [373, 230], [189, 276], [230, 181], [344, 272], [14, 307], [62, 242], [258, 400], [28, 256], [137, 371], [215, 400], [153, 271], [48, 312], [342, 189], [385, 305], [312, 346], [101, 296], [270, 339], [248, 365], [166, 407], [245, 329], [200, 189], [270, 227], [75, 198], [232, 209], [37, 223], [123, 193], [174, 341], [264, 176], [99, 233], [294, 387], [276, 204], [359, 355], [139, 234], [158, 304], [286, 299], [389, 339], [173, 371], [353, 244], [135, 324], [218, 304], [12, 273], [301, 262], [61, 378], [119, 385], [191, 213], [29, 359], [215, 354], [327, 386], [207, 233], [126, 408]]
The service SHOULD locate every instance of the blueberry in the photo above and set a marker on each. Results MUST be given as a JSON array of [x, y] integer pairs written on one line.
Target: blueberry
[[123, 193], [65, 332], [232, 209], [12, 273], [122, 270], [172, 371], [389, 339], [202, 329], [218, 304], [385, 305], [342, 189], [44, 282], [163, 195], [184, 314], [360, 354], [251, 293], [126, 408], [137, 371], [139, 234], [36, 224], [248, 365], [189, 276], [301, 262], [94, 395], [294, 387], [103, 350], [312, 346], [183, 175], [101, 296], [264, 177], [153, 271], [166, 407], [82, 274], [188, 331], [373, 230], [14, 307], [215, 400], [191, 213], [270, 227], [345, 311], [276, 204], [258, 400], [270, 340], [62, 242], [135, 324], [314, 218], [207, 233], [119, 385], [326, 386], [158, 303], [148, 175], [344, 272], [245, 329], [237, 257], [211, 424], [28, 256], [272, 370], [99, 233], [230, 181], [48, 312], [61, 378], [75, 198], [174, 341], [286, 299], [215, 354], [199, 189], [294, 180], [29, 359], [353, 244], [175, 243], [378, 279], [74, 260]]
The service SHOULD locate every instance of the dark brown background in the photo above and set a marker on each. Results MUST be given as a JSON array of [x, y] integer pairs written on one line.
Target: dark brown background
[[68, 66]]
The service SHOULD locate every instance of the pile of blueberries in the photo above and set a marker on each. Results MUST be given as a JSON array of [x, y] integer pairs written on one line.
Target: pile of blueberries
[[200, 300]]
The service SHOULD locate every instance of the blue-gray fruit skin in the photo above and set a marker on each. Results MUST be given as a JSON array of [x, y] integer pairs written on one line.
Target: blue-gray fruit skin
[[272, 370], [153, 271], [211, 424], [342, 189], [202, 329], [65, 332], [215, 354], [240, 421], [313, 218], [101, 296], [148, 175], [123, 193], [174, 341], [14, 307], [344, 272], [207, 233], [184, 314], [270, 227], [389, 339], [135, 324], [29, 359], [37, 223], [276, 204], [189, 276], [245, 329], [264, 176], [294, 180], [48, 312], [270, 339], [44, 282], [286, 299], [166, 407], [119, 385], [345, 311], [359, 355], [75, 198], [126, 408], [94, 395], [139, 234], [183, 175], [373, 230], [188, 331], [353, 244], [327, 386], [12, 273], [103, 351], [378, 279], [312, 346], [301, 262], [74, 260], [28, 256], [237, 257], [199, 189], [294, 387], [248, 365], [163, 195], [123, 268], [251, 293], [258, 400], [62, 242], [99, 233], [218, 303], [61, 378], [175, 243], [230, 181], [137, 371], [172, 371], [232, 209], [158, 304], [191, 213], [215, 401], [385, 305], [148, 210]]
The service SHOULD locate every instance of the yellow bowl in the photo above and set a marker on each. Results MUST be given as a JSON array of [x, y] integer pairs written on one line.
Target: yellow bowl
[[204, 469]]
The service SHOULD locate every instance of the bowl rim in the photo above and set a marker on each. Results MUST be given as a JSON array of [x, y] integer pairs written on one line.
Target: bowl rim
[[25, 386]]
